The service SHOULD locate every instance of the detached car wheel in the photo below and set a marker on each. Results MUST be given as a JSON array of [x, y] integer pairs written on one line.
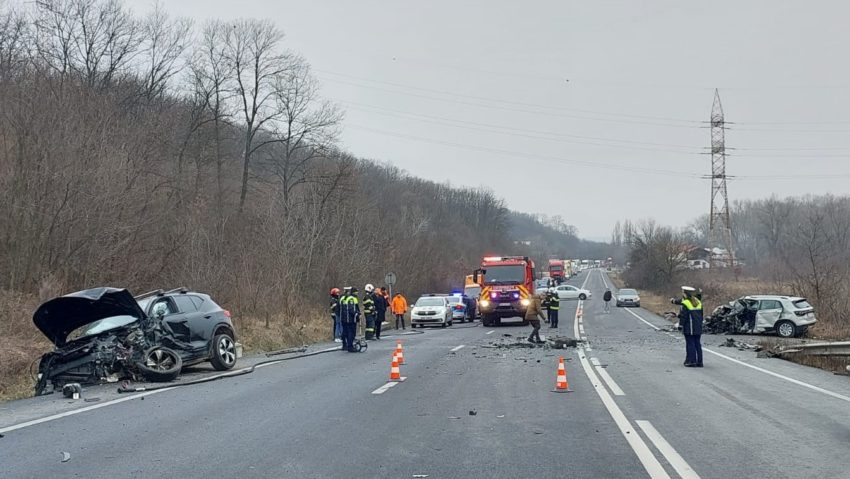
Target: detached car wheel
[[224, 352], [786, 329], [160, 364]]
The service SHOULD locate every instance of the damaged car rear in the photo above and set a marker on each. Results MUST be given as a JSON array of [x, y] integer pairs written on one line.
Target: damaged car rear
[[105, 334]]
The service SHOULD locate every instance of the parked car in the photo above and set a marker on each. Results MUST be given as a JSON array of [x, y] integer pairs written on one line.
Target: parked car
[[431, 309], [567, 291], [628, 297], [105, 334], [787, 316], [462, 307]]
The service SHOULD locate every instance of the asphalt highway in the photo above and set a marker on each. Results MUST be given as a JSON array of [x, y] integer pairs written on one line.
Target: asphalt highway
[[474, 405]]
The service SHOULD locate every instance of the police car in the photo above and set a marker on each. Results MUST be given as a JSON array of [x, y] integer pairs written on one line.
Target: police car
[[462, 306], [431, 309]]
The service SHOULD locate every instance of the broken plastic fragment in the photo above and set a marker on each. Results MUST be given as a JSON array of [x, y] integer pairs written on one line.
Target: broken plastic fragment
[[66, 456]]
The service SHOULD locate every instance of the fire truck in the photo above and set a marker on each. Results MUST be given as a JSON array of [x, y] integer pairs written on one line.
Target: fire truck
[[507, 286], [556, 270]]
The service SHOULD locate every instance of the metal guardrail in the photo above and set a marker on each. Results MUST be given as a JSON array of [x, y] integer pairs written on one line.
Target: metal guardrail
[[839, 348]]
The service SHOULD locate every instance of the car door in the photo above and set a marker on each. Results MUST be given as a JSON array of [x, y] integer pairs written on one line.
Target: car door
[[174, 320], [196, 323], [769, 311]]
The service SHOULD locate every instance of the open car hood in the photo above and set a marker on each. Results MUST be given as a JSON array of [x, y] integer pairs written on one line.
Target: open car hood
[[58, 317]]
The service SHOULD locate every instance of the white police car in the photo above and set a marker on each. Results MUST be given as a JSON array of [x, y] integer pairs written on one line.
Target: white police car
[[432, 310]]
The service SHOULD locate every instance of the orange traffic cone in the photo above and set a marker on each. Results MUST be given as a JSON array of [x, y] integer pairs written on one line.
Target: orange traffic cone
[[561, 385], [399, 351], [395, 372]]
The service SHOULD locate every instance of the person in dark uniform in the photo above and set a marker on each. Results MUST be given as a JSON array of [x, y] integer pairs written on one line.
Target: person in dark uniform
[[546, 304], [381, 305], [334, 308], [690, 322], [554, 309], [370, 310], [350, 313]]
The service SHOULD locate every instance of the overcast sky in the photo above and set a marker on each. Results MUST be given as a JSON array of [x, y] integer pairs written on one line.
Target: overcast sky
[[590, 110]]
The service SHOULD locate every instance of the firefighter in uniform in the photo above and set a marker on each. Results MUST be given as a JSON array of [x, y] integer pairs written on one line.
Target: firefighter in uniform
[[547, 305], [350, 313], [554, 308], [690, 322], [370, 311]]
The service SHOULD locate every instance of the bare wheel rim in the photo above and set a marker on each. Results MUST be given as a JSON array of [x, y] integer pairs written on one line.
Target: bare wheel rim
[[160, 360], [785, 329], [226, 350]]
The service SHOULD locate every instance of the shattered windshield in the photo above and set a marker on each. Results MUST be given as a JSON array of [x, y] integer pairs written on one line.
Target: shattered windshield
[[102, 325]]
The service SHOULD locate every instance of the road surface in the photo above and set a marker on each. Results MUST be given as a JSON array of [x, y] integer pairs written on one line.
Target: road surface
[[467, 409]]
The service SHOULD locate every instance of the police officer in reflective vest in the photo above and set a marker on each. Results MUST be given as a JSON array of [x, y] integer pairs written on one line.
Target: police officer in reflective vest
[[349, 309], [370, 311], [690, 322], [554, 307]]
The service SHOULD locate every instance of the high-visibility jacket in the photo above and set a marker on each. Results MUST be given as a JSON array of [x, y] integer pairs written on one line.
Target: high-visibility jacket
[[349, 308], [690, 316], [554, 302], [369, 304], [399, 304]]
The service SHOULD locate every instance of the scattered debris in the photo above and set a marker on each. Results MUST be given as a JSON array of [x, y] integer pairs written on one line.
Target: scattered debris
[[91, 399], [734, 343], [453, 417], [66, 456], [473, 413], [420, 475], [499, 416], [72, 390], [507, 335], [562, 342], [538, 432]]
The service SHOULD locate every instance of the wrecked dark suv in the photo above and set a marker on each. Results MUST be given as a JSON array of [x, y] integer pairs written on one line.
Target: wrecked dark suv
[[106, 334]]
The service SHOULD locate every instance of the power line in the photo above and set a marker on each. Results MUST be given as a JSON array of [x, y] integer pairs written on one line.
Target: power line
[[520, 156]]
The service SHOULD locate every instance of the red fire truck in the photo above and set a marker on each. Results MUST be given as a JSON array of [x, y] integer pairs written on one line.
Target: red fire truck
[[507, 286]]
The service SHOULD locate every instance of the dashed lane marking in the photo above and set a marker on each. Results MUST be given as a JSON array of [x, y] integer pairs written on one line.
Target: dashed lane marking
[[673, 458]]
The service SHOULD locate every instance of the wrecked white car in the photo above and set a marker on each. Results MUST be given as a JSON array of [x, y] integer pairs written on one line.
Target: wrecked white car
[[105, 334], [787, 316]]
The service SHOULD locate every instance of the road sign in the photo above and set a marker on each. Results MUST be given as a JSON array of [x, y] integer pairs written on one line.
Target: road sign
[[389, 279]]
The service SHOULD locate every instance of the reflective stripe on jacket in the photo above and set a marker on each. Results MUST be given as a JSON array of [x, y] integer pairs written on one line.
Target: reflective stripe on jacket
[[690, 316], [349, 309]]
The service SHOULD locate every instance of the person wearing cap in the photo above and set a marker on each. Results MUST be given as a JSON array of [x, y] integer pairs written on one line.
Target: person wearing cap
[[369, 310], [534, 314], [350, 313], [334, 309], [690, 322]]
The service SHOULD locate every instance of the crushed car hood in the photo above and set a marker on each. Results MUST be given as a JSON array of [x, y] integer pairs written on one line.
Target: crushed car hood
[[58, 317]]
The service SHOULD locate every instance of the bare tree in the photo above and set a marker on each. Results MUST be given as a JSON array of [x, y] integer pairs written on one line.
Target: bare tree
[[252, 48], [165, 41]]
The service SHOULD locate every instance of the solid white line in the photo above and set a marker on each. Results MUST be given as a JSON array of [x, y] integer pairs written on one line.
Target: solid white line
[[644, 454], [583, 284], [762, 370], [491, 331], [645, 321], [384, 388], [595, 361], [603, 279], [458, 348], [642, 451], [610, 382], [780, 376], [679, 464], [78, 411]]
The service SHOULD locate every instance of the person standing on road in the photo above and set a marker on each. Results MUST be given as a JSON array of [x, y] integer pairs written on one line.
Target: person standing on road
[[381, 305], [554, 309], [350, 313], [534, 315], [547, 305], [690, 322], [337, 323], [399, 307], [369, 310], [607, 298]]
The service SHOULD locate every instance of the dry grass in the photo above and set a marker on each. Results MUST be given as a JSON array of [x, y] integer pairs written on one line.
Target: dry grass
[[21, 344]]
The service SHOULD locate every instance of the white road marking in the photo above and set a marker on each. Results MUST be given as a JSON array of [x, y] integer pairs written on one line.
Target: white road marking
[[491, 331], [679, 464], [603, 279], [81, 410], [615, 389], [595, 361], [761, 370], [645, 321], [777, 375], [384, 388], [458, 348], [642, 451], [581, 328]]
